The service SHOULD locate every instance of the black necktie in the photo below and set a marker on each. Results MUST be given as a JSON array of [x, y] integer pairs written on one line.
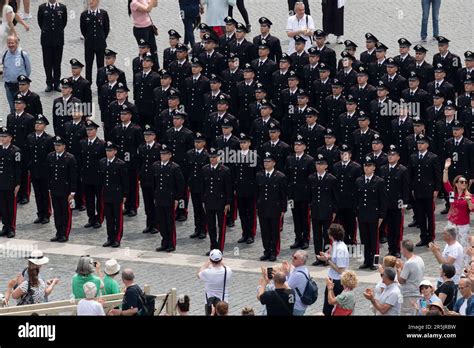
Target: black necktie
[[268, 175], [456, 143], [420, 157], [260, 64], [412, 93], [90, 142], [148, 147], [367, 180], [58, 157], [108, 163], [390, 79], [124, 128], [401, 123], [390, 169], [437, 84], [144, 75], [320, 178]]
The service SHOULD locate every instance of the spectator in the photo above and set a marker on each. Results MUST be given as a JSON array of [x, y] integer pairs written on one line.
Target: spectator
[[447, 289], [111, 286], [143, 27], [333, 18], [221, 309], [189, 10], [338, 262], [90, 305], [291, 7], [243, 12], [465, 304], [435, 309], [248, 312], [7, 24], [299, 24], [409, 275], [31, 291], [427, 297], [216, 277], [15, 62], [425, 6], [132, 302], [84, 270], [388, 261], [26, 6], [297, 276], [451, 255], [461, 205], [281, 300], [217, 10], [183, 305], [390, 300], [344, 303]]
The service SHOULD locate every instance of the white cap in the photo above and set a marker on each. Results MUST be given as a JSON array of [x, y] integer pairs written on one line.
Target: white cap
[[425, 282], [215, 255], [38, 258], [111, 267]]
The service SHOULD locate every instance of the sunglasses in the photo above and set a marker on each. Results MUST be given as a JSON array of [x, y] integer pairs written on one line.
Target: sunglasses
[[424, 287], [462, 181]]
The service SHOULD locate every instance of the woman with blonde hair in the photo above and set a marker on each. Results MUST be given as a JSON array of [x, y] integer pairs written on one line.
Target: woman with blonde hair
[[344, 303]]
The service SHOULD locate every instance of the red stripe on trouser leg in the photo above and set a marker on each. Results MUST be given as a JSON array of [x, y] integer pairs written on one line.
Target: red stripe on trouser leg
[[173, 228], [234, 217], [224, 224], [433, 233], [120, 222], [254, 226], [50, 209], [402, 221], [277, 249], [137, 197], [309, 224], [188, 193], [69, 220], [14, 213]]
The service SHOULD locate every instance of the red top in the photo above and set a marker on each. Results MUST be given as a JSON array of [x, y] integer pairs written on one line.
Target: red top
[[459, 211]]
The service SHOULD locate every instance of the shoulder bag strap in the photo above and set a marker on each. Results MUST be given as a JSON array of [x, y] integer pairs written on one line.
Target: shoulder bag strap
[[307, 279], [225, 278]]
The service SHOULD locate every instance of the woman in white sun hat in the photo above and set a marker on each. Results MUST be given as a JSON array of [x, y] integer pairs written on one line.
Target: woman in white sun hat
[[111, 286]]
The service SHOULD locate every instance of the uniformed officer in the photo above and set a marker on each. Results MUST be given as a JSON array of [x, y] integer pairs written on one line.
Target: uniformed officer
[[296, 116], [348, 121], [321, 89], [180, 68], [333, 105], [112, 116], [401, 129], [245, 50], [434, 113], [211, 98], [231, 77], [441, 83], [425, 173], [162, 92], [20, 124], [363, 93], [299, 166], [52, 19], [380, 115], [287, 104], [350, 47], [213, 126], [377, 155], [264, 67], [198, 47], [312, 132], [450, 61], [144, 83], [368, 56], [164, 120], [260, 127], [397, 187], [110, 59], [467, 118], [95, 27], [244, 173], [62, 107], [128, 136], [169, 54], [404, 59], [327, 55], [466, 73], [371, 207], [272, 41], [196, 159], [323, 204], [148, 154], [362, 138], [115, 193], [180, 140], [40, 144], [10, 178], [62, 176], [464, 97], [81, 87], [299, 58], [108, 91], [217, 197], [74, 132], [416, 98], [395, 82], [443, 129], [228, 37], [276, 147], [212, 61], [347, 75], [280, 77], [254, 107], [271, 206], [195, 88], [421, 66], [346, 172], [377, 69], [144, 48], [329, 150], [32, 100], [311, 70]]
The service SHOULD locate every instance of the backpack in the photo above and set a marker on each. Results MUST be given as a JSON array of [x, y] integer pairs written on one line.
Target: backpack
[[310, 293], [22, 57], [147, 304]]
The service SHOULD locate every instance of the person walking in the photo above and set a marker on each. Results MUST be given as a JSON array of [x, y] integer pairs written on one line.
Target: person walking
[[189, 11], [425, 6], [333, 18]]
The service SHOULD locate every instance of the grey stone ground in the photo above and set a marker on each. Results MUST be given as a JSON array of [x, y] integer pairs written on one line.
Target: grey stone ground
[[388, 20]]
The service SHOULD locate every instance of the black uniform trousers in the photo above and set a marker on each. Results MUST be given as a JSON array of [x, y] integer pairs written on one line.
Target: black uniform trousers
[[182, 209], [320, 234], [62, 216], [94, 203], [199, 213], [89, 53], [300, 212], [133, 199], [347, 218], [8, 210], [25, 183], [247, 215], [150, 208], [369, 237], [52, 57], [217, 241], [425, 218], [338, 289], [232, 213], [166, 216], [79, 197], [43, 201], [394, 224], [270, 229], [114, 219]]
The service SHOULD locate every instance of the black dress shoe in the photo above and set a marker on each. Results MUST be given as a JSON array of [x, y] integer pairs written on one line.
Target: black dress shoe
[[11, 234], [147, 230], [115, 244], [230, 223], [207, 254], [421, 243], [317, 263], [304, 245], [364, 266], [373, 268], [264, 257], [126, 212], [23, 201], [62, 239], [54, 239], [107, 244], [242, 240], [250, 240], [295, 245], [49, 88], [413, 224], [57, 88], [170, 249], [444, 211], [3, 233], [272, 258], [202, 236], [181, 218], [383, 240], [45, 221], [397, 255], [409, 207], [132, 213], [154, 231], [97, 225], [161, 248], [38, 220], [194, 235], [81, 208], [89, 225]]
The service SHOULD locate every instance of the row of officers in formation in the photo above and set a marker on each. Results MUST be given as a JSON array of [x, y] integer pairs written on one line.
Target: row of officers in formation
[[231, 175]]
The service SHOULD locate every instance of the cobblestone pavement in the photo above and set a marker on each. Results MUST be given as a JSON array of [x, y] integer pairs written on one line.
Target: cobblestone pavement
[[388, 20]]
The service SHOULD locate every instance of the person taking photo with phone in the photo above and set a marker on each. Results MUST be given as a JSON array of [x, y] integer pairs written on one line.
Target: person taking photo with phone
[[279, 301]]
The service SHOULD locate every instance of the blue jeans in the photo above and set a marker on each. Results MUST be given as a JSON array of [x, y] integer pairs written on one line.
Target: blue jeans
[[298, 312], [188, 16], [425, 5], [10, 97]]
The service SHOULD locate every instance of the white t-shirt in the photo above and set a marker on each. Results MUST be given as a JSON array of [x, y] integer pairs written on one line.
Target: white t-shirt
[[412, 272], [89, 307], [213, 278], [455, 250], [340, 257], [294, 24], [462, 309]]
